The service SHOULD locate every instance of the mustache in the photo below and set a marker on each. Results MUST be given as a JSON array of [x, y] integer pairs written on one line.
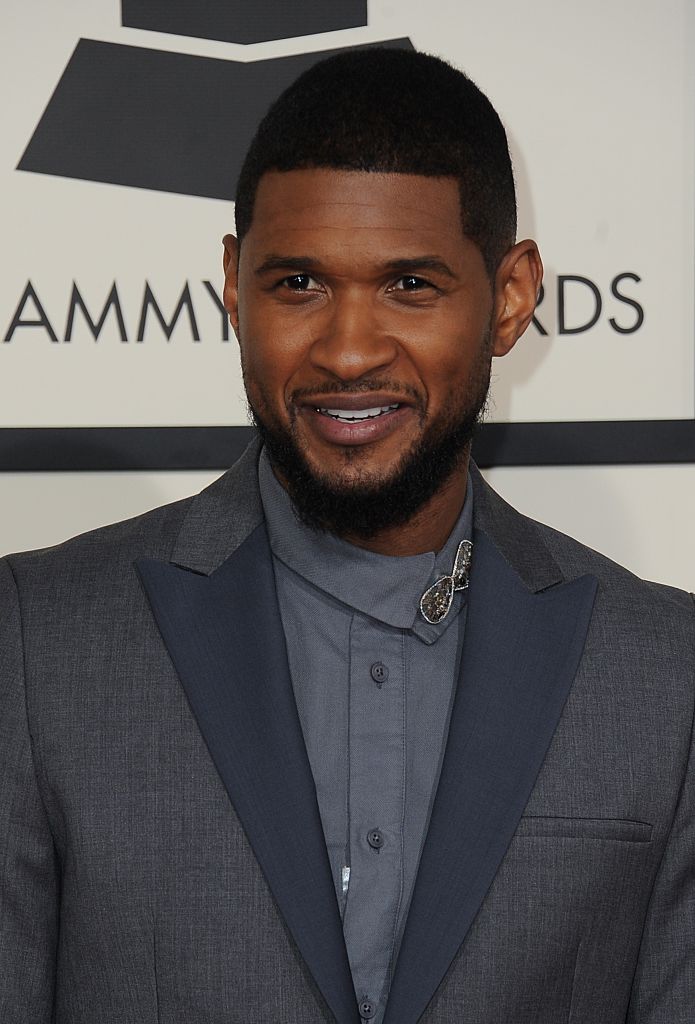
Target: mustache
[[358, 387]]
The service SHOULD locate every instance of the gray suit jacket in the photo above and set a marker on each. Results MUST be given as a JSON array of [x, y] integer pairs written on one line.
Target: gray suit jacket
[[160, 843]]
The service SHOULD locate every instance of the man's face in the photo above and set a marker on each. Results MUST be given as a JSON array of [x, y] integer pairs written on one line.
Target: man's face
[[364, 319]]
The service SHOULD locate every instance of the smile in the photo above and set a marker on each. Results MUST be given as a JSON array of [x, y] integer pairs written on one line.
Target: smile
[[356, 415]]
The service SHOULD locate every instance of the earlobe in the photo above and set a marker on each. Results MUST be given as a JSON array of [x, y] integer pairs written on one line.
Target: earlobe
[[517, 285], [230, 264]]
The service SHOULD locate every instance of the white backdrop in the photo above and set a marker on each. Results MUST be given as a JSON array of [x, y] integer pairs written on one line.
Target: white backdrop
[[598, 100]]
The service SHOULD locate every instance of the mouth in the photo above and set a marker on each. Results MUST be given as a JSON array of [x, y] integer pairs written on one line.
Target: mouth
[[357, 415], [357, 419]]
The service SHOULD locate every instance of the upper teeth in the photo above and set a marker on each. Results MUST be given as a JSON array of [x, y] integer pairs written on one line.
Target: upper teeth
[[357, 414]]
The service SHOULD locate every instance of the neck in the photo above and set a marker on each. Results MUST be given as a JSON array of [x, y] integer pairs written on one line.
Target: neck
[[429, 529]]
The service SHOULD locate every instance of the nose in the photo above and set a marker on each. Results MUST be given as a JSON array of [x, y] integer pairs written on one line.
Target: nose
[[352, 342]]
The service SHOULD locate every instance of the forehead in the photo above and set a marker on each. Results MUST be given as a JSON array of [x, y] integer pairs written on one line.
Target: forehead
[[356, 207]]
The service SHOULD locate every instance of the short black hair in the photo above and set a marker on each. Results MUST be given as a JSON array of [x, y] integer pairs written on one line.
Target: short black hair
[[391, 111]]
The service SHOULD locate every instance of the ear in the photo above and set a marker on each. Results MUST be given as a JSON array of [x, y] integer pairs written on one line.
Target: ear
[[517, 284], [230, 295]]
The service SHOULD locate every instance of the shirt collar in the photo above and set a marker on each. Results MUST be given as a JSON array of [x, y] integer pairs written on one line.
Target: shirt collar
[[384, 587]]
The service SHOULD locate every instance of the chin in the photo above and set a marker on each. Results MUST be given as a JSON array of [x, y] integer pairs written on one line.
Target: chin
[[360, 490]]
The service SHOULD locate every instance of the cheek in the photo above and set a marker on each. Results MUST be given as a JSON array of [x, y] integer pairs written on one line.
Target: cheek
[[268, 365], [446, 357], [454, 368], [256, 336], [274, 348]]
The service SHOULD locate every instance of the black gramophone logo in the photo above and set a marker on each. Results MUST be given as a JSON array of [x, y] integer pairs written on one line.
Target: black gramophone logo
[[175, 122]]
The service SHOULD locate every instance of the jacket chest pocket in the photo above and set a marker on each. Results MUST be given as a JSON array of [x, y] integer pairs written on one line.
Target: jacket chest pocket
[[607, 829]]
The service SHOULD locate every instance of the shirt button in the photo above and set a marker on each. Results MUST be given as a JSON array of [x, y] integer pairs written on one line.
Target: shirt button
[[367, 1009], [380, 673], [375, 838]]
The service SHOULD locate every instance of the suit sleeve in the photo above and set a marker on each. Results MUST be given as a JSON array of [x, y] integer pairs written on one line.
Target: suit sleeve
[[664, 985], [28, 867]]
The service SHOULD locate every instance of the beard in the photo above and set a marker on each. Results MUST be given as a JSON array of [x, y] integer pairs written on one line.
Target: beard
[[366, 504]]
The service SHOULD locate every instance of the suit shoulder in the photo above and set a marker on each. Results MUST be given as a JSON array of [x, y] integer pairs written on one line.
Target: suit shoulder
[[616, 582], [102, 561], [102, 555], [150, 534], [543, 556]]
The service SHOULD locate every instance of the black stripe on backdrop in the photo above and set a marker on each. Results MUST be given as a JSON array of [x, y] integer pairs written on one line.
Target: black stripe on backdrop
[[497, 444]]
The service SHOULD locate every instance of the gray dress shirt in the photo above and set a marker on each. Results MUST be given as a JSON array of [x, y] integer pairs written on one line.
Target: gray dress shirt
[[374, 683]]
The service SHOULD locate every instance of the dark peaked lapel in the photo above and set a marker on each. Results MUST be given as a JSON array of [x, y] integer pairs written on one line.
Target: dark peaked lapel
[[525, 632], [222, 628]]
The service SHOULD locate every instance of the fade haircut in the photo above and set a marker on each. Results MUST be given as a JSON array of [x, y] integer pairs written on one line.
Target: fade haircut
[[391, 111]]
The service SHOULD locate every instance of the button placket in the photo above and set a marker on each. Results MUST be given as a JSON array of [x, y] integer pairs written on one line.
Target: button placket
[[376, 794]]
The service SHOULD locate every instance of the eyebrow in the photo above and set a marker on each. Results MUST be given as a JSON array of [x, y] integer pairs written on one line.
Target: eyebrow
[[412, 265], [285, 263], [406, 265]]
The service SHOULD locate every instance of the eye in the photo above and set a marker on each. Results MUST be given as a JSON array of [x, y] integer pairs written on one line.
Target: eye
[[298, 283], [411, 283]]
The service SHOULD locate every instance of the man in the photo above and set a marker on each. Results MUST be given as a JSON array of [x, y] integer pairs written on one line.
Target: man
[[346, 737]]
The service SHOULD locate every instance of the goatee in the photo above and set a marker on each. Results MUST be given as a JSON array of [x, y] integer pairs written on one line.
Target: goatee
[[363, 508]]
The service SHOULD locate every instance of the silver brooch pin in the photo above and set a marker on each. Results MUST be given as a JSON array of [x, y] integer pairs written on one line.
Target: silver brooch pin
[[436, 601]]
